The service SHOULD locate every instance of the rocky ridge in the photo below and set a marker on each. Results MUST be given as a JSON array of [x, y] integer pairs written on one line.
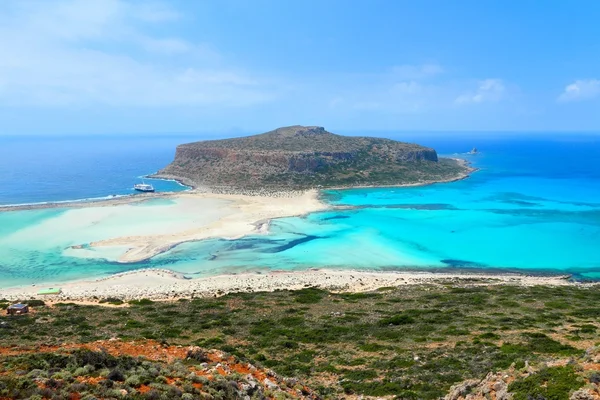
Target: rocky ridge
[[300, 157]]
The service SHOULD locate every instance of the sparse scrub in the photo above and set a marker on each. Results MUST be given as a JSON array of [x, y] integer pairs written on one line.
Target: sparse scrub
[[419, 340]]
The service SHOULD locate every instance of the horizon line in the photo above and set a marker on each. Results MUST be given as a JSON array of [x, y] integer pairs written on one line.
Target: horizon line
[[244, 132]]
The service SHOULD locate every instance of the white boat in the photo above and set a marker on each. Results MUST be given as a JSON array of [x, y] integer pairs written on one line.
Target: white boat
[[143, 187]]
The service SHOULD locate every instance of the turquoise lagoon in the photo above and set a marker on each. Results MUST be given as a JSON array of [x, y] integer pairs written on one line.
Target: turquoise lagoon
[[534, 207]]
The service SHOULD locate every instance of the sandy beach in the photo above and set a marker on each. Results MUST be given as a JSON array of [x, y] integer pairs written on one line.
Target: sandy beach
[[166, 285], [135, 228], [138, 228], [236, 216]]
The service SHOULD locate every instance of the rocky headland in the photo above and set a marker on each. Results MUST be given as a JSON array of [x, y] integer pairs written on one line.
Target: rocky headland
[[303, 157]]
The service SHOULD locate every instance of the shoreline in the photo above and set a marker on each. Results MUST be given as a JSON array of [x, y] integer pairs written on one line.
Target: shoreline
[[108, 200], [182, 181], [195, 189], [460, 177], [169, 285], [243, 214]]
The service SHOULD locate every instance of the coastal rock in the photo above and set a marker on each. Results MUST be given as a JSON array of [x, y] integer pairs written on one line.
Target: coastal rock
[[300, 157], [460, 390]]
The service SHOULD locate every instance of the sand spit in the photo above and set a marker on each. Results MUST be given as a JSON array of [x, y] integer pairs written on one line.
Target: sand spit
[[134, 229], [167, 285], [243, 215]]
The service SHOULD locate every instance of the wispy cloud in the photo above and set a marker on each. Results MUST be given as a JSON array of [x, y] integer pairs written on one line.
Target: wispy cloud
[[579, 90], [401, 89], [419, 89], [78, 52], [416, 72], [487, 90]]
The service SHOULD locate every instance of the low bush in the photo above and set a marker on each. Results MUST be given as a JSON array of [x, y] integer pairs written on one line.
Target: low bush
[[112, 300], [551, 384], [399, 319]]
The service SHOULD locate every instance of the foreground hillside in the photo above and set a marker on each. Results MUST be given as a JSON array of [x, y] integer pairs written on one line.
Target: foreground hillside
[[413, 342], [137, 370], [299, 157]]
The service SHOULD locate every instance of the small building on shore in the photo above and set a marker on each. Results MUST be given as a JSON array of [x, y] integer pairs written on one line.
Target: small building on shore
[[17, 309]]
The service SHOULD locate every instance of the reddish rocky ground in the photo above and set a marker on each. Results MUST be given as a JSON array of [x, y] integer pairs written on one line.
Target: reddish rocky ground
[[215, 364]]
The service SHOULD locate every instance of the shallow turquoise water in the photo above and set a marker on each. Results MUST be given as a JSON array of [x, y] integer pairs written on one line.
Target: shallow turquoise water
[[534, 206]]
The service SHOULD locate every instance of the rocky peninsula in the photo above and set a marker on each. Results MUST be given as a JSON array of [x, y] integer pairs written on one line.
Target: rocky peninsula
[[305, 157]]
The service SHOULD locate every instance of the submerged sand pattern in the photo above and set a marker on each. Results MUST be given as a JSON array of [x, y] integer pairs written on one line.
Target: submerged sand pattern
[[188, 217]]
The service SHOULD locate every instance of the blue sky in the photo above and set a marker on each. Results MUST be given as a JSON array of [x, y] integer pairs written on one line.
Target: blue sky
[[121, 66]]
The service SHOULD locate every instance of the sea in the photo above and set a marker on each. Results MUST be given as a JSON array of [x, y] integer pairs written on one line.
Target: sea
[[532, 207]]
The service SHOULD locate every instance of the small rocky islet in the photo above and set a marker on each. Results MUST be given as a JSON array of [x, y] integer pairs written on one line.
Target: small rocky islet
[[304, 157]]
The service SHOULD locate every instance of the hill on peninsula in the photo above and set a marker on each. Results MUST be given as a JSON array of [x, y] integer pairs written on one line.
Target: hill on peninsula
[[301, 157]]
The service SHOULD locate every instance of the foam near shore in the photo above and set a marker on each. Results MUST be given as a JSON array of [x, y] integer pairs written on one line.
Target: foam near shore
[[165, 284]]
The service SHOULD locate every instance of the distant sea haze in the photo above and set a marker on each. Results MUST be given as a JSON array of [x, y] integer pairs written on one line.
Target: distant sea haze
[[533, 206]]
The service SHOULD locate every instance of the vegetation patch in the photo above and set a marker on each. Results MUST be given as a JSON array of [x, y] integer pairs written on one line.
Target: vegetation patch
[[551, 383], [410, 342]]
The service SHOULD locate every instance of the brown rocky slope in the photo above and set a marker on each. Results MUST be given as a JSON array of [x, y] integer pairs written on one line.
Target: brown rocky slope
[[300, 157]]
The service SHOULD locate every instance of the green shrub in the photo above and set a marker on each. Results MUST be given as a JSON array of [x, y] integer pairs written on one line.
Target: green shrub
[[359, 374], [116, 375], [35, 303], [133, 381], [551, 384], [372, 347], [141, 302], [587, 328], [489, 335], [112, 300], [211, 341], [134, 324], [540, 343], [309, 295], [399, 319]]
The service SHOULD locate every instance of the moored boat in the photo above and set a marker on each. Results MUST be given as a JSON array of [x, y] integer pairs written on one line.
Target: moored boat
[[143, 187]]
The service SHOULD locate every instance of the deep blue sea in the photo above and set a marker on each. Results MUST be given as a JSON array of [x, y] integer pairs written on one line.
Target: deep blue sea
[[533, 206], [49, 169]]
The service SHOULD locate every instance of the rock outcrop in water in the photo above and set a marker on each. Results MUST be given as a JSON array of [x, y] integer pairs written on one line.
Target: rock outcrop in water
[[299, 157]]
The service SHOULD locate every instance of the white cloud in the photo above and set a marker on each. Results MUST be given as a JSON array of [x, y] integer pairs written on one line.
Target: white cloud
[[155, 12], [401, 89], [416, 96], [416, 72], [404, 97], [407, 88], [584, 89], [487, 90], [166, 46], [107, 52]]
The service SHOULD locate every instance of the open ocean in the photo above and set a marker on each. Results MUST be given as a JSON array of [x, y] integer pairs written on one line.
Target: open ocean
[[534, 206]]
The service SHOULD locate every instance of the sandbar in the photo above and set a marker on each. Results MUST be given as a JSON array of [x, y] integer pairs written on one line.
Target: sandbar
[[136, 229]]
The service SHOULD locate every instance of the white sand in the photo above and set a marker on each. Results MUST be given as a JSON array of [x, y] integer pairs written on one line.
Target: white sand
[[130, 231], [165, 285], [235, 216]]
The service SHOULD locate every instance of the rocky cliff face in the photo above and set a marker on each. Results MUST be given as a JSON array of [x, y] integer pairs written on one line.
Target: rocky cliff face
[[300, 157]]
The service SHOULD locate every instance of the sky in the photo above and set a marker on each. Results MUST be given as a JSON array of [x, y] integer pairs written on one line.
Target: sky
[[129, 66]]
